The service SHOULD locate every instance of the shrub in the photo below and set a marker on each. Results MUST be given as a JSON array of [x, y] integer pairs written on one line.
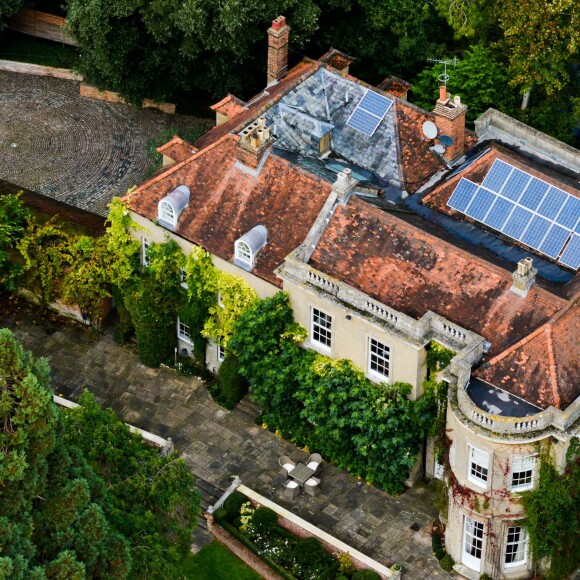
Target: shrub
[[365, 575], [233, 386], [220, 515], [347, 568], [485, 577], [309, 552], [264, 520], [233, 505], [447, 563], [437, 546]]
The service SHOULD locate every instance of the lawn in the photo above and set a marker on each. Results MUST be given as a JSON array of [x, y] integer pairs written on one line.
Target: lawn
[[216, 562], [25, 48]]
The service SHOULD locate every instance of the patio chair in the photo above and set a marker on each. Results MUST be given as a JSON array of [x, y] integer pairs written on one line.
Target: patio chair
[[286, 464], [312, 486], [291, 489], [315, 462]]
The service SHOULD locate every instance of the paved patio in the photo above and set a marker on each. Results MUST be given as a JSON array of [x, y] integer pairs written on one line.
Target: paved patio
[[74, 149], [218, 444]]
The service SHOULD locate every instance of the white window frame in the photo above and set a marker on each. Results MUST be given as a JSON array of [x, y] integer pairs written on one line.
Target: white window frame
[[316, 328], [480, 459], [374, 374], [521, 466], [183, 278], [166, 213], [520, 545], [221, 353], [472, 541], [244, 253], [145, 245], [220, 302], [183, 332]]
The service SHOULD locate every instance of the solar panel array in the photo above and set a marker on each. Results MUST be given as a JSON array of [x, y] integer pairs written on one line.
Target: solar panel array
[[524, 208], [370, 111]]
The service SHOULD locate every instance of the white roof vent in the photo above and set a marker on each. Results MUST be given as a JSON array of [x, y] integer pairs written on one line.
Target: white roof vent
[[171, 206], [247, 247]]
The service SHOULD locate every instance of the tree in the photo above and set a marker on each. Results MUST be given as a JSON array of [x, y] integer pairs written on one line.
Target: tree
[[151, 48], [14, 217], [9, 8], [540, 38]]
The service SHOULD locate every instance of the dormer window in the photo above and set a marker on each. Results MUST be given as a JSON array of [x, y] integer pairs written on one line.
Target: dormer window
[[171, 206], [247, 247]]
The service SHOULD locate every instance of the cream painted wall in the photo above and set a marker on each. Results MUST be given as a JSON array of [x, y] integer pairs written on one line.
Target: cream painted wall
[[350, 338]]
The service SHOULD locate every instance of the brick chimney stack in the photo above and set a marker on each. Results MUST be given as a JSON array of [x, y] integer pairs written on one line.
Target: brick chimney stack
[[524, 277], [278, 35], [254, 142], [450, 120]]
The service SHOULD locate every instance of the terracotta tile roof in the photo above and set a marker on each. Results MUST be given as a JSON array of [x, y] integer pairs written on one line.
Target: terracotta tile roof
[[226, 202], [337, 59], [477, 171], [544, 367], [414, 272], [177, 149], [260, 103], [418, 162], [395, 86], [230, 106]]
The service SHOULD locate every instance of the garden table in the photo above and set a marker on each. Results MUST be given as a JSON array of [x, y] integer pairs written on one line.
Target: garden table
[[301, 473]]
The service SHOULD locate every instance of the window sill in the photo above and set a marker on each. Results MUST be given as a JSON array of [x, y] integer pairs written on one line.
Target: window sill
[[480, 484], [186, 340], [377, 378], [321, 348]]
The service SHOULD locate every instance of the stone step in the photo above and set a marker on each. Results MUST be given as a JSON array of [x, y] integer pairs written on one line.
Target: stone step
[[465, 572], [248, 407]]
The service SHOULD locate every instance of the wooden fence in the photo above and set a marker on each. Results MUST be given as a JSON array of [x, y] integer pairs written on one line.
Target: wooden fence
[[41, 25]]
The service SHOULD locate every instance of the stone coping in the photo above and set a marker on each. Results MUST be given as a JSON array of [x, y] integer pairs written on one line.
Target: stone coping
[[39, 70], [149, 437], [325, 538]]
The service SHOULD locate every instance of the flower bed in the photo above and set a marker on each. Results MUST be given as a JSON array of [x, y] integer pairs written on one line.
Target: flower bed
[[289, 556]]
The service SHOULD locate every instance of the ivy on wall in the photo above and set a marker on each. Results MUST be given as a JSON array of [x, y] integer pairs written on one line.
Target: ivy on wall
[[329, 405]]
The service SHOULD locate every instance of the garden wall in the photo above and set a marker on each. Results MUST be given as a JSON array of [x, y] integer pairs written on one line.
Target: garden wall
[[39, 70], [41, 25]]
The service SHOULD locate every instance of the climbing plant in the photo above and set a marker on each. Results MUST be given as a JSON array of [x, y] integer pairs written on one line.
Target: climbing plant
[[553, 513], [373, 430]]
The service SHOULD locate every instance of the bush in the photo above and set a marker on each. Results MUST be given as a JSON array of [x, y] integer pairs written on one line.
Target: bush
[[233, 505], [309, 552], [233, 386], [123, 332], [347, 568], [366, 575], [264, 520], [447, 563], [437, 546], [220, 515]]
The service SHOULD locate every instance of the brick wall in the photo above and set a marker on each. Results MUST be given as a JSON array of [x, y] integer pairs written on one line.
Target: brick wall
[[278, 36]]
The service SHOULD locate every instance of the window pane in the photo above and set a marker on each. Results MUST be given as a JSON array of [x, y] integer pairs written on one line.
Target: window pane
[[516, 546], [321, 327], [379, 355]]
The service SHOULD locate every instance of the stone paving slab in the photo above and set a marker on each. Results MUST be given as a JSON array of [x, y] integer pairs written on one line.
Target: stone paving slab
[[77, 150], [219, 444]]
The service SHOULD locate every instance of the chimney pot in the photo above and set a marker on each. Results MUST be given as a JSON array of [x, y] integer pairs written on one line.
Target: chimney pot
[[457, 100], [443, 93], [279, 22], [261, 122], [523, 277]]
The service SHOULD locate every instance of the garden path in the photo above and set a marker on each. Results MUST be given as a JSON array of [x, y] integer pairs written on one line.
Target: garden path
[[218, 444]]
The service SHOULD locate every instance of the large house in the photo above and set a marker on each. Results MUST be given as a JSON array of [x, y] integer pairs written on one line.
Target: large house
[[392, 227]]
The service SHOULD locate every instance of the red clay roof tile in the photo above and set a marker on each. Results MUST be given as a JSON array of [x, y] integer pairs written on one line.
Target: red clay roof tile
[[177, 149]]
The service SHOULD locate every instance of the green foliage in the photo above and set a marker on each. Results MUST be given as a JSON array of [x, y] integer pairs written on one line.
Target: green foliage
[[124, 329], [153, 499], [552, 519], [232, 385], [365, 575], [8, 8], [310, 559], [437, 546], [329, 405], [233, 505], [438, 357], [447, 563], [264, 520], [13, 219], [346, 565]]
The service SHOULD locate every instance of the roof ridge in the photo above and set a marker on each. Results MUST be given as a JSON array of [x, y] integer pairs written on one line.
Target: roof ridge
[[175, 140], [179, 165], [552, 364]]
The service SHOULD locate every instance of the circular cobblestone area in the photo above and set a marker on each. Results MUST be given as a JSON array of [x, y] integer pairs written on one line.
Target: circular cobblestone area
[[77, 150]]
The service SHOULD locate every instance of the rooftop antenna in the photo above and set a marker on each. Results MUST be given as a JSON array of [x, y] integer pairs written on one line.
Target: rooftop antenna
[[443, 78]]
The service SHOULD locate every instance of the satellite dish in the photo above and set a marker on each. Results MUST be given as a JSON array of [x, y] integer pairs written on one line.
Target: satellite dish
[[429, 129], [446, 140], [438, 149]]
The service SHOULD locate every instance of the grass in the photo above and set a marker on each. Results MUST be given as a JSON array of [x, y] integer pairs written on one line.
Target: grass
[[25, 48], [216, 562]]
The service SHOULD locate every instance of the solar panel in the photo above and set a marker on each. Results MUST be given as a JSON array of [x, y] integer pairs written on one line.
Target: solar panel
[[480, 204], [515, 184], [535, 232], [363, 122], [462, 195], [571, 255], [497, 175], [554, 241], [375, 104], [552, 203], [517, 223], [534, 193], [524, 208], [499, 213], [369, 113], [570, 213]]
